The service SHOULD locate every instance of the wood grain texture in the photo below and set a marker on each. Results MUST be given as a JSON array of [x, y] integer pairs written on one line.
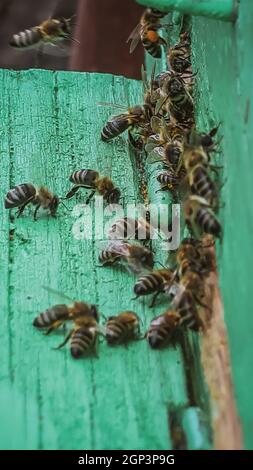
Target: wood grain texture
[[51, 126], [223, 60]]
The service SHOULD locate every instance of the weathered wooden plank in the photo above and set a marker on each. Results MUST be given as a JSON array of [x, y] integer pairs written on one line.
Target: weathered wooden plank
[[119, 400]]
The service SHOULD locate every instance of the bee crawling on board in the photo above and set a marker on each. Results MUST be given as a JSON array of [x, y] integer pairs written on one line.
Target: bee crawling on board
[[176, 98], [134, 117], [155, 283], [147, 32], [193, 255], [50, 31], [200, 217], [130, 228], [122, 328], [179, 56], [54, 317], [163, 330], [83, 336], [23, 194], [91, 179], [136, 257]]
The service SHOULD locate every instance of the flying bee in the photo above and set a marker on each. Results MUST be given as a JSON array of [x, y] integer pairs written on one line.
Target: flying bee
[[49, 31], [122, 328], [179, 56], [83, 336], [146, 32], [176, 99], [200, 218], [23, 194], [163, 329], [138, 229], [136, 116], [91, 179], [154, 283], [136, 257], [54, 317]]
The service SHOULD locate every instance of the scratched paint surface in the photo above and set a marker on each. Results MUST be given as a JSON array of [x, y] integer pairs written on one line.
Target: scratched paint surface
[[225, 93], [50, 126]]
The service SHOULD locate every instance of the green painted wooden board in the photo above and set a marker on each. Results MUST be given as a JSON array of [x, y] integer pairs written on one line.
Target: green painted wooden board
[[50, 126]]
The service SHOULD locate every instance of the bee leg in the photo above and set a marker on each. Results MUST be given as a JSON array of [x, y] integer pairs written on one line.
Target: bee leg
[[154, 299], [36, 211], [54, 326], [72, 192], [90, 197], [22, 208], [67, 338]]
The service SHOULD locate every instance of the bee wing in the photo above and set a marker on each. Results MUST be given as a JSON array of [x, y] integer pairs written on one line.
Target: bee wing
[[113, 105], [156, 124], [135, 37], [117, 247], [144, 78], [160, 103], [56, 49], [58, 293]]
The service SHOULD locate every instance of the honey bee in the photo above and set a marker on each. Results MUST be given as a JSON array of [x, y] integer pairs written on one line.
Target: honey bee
[[49, 31], [83, 336], [54, 317], [137, 257], [122, 328], [146, 32], [168, 142], [23, 194], [204, 140], [91, 179], [176, 99], [192, 255], [155, 283], [186, 306], [134, 117], [138, 229], [171, 181], [200, 218], [179, 56], [163, 329]]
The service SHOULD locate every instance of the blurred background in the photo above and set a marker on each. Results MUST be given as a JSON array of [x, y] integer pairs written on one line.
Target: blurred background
[[100, 30]]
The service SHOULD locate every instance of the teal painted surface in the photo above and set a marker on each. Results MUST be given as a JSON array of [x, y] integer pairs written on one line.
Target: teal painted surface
[[51, 126], [221, 9], [223, 58]]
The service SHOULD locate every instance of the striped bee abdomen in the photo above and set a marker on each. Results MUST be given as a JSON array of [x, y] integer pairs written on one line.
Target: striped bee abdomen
[[202, 183], [152, 282], [19, 195], [187, 309], [115, 331], [54, 314], [84, 177], [26, 38], [82, 340], [115, 127], [153, 48], [106, 256], [208, 222]]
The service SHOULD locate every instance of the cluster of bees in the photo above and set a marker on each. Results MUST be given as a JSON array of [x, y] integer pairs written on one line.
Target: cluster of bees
[[163, 127]]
